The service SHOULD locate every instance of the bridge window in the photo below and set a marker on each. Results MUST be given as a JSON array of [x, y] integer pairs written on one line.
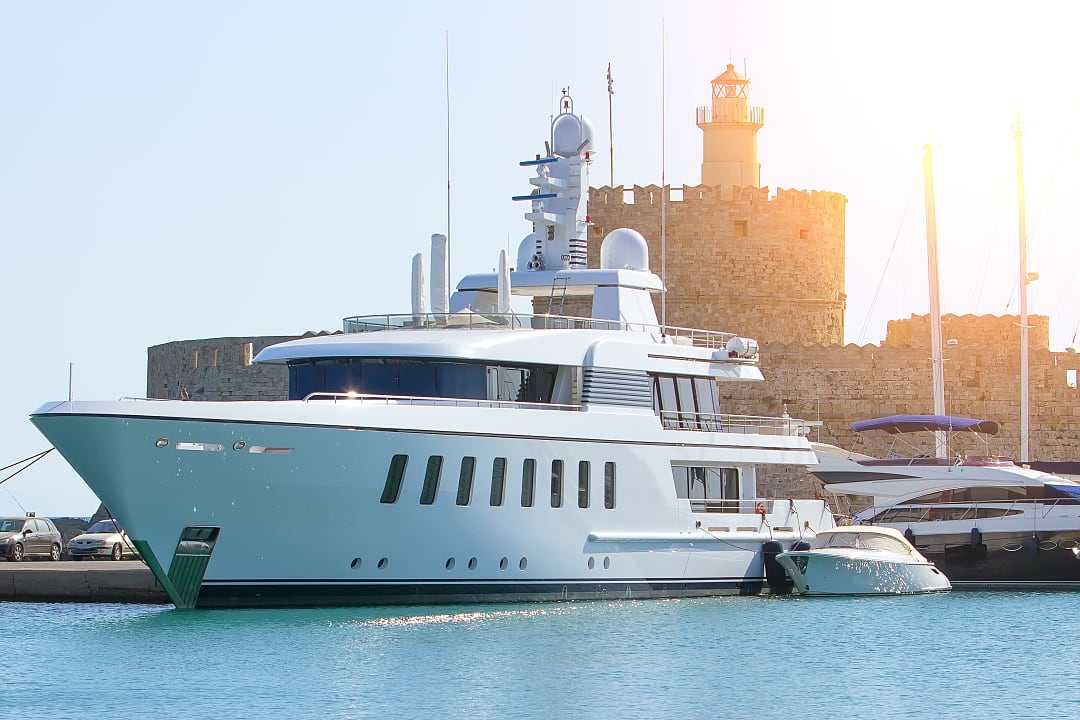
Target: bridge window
[[709, 489]]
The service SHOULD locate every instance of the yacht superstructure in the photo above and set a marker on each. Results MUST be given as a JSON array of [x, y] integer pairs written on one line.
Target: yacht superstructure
[[470, 455], [983, 520]]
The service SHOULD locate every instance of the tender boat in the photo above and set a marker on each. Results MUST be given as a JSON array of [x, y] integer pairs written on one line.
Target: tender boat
[[861, 560], [469, 453], [986, 522]]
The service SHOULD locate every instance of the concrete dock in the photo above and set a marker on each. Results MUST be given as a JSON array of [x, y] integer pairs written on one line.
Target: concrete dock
[[127, 581]]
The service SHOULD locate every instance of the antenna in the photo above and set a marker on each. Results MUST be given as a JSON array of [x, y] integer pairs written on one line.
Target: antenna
[[1024, 279], [71, 371], [447, 61], [610, 127], [663, 174]]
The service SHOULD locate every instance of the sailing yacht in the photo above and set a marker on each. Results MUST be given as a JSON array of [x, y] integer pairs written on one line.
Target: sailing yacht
[[469, 453]]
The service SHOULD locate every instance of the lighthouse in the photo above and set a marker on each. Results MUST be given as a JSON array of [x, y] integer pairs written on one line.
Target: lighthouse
[[729, 125]]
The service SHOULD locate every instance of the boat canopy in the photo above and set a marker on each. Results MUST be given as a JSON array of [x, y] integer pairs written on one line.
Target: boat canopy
[[918, 423]]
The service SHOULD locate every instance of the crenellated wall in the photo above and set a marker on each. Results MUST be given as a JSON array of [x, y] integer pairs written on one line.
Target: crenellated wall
[[770, 266]]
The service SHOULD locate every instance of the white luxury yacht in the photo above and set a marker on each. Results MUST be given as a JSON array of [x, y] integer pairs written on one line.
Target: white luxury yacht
[[983, 520], [467, 453]]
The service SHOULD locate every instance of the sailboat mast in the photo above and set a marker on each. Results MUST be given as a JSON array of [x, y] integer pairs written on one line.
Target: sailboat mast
[[940, 448], [1024, 279]]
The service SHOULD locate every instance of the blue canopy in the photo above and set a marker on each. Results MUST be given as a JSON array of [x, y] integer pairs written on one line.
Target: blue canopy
[[918, 423]]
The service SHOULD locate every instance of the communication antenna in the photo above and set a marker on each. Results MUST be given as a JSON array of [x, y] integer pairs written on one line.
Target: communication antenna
[[71, 371], [447, 62], [663, 174], [610, 126]]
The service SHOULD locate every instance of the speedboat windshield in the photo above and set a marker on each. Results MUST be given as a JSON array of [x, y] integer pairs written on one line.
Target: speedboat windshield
[[861, 541]]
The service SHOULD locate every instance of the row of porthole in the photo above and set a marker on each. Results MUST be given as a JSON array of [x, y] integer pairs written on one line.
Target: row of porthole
[[592, 563], [357, 562]]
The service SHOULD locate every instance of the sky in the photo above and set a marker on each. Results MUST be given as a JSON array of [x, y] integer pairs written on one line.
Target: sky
[[205, 169]]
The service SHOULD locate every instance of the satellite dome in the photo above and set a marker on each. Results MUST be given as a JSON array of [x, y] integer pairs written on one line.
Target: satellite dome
[[571, 135], [525, 253], [624, 249]]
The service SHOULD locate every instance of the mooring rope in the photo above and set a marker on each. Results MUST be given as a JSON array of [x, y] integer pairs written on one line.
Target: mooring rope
[[33, 459]]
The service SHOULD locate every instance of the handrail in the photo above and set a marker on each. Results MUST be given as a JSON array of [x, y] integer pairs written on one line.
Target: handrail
[[733, 505], [521, 321], [726, 422], [452, 402]]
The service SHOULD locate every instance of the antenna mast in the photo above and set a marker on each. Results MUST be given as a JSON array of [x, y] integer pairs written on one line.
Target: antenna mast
[[663, 174], [941, 450], [447, 62], [610, 127], [1025, 278]]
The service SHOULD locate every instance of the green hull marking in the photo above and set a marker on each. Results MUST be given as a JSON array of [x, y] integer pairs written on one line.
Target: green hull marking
[[184, 579]]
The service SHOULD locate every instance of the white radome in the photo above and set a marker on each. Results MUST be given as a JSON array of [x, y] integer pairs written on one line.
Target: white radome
[[624, 249], [526, 251], [571, 135]]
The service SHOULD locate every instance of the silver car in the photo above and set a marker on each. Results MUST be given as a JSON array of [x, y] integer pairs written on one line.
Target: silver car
[[103, 539]]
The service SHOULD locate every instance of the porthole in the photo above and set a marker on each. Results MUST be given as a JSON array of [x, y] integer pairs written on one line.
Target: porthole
[[161, 442], [607, 563], [503, 563], [383, 562], [523, 563], [472, 563], [592, 563], [450, 563], [239, 445], [356, 562]]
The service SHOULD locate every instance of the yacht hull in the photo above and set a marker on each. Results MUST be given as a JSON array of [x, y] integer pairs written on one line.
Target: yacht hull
[[297, 520]]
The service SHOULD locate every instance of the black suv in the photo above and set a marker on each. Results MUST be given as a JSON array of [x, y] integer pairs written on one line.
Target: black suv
[[23, 537]]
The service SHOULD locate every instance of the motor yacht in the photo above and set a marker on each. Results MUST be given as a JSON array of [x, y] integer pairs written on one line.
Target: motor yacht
[[861, 560], [465, 452], [985, 521]]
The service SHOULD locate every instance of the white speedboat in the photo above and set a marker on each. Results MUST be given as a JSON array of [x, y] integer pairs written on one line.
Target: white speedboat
[[984, 521], [465, 454], [861, 560]]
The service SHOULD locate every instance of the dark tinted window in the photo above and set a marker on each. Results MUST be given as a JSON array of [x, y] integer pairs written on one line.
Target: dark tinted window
[[978, 494], [465, 480], [498, 481], [431, 480], [609, 485], [685, 391], [556, 483], [394, 476], [421, 378], [528, 482], [668, 403], [583, 484]]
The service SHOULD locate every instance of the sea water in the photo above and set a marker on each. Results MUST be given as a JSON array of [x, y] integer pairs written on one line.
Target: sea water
[[956, 655]]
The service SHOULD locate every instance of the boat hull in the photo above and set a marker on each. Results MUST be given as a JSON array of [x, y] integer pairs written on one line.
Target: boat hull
[[821, 573], [296, 516]]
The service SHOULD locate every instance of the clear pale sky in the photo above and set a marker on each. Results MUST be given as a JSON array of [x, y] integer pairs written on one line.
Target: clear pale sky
[[209, 169]]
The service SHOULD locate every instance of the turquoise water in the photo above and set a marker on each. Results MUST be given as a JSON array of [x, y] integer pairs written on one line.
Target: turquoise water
[[960, 655]]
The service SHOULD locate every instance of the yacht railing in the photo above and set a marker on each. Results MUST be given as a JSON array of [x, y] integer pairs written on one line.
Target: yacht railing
[[720, 422], [960, 510], [449, 402], [740, 505], [520, 321]]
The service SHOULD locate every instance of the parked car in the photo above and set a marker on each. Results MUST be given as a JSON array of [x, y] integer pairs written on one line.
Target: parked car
[[103, 539], [24, 537]]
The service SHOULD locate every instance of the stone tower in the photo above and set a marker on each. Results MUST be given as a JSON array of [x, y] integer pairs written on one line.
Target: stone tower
[[729, 126]]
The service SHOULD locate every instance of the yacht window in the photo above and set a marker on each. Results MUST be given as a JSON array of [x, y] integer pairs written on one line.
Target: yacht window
[[556, 483], [583, 484], [979, 494], [498, 481], [710, 489], [609, 485], [836, 540], [668, 403], [431, 480], [687, 408], [883, 543], [528, 482], [421, 378], [465, 480], [705, 392], [394, 476], [901, 515]]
